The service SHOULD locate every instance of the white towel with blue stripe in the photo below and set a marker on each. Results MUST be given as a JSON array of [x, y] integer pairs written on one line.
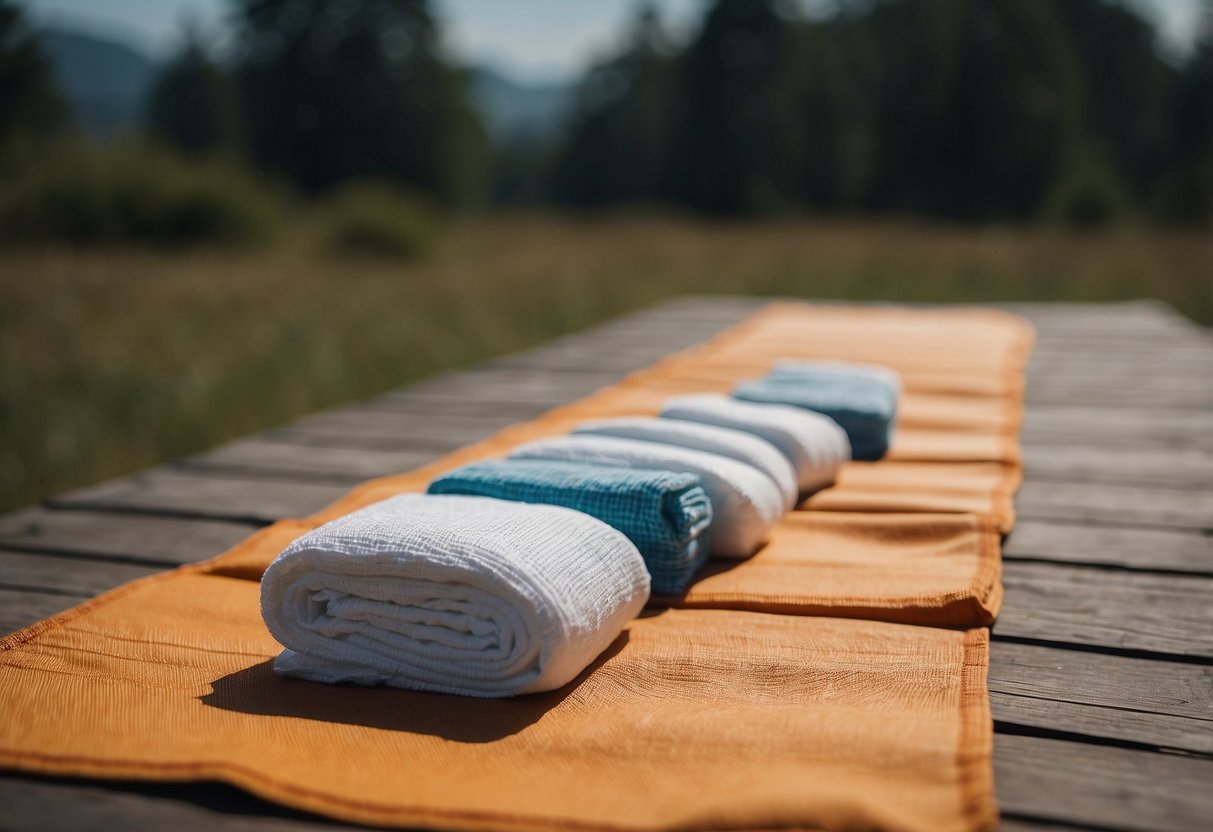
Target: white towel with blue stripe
[[452, 594], [736, 444], [745, 502], [814, 444]]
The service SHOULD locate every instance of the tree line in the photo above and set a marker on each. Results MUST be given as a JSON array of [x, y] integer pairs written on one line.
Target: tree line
[[964, 109], [973, 110]]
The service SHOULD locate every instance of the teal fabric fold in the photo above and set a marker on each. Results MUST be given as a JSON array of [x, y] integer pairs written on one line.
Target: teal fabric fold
[[666, 515], [863, 404]]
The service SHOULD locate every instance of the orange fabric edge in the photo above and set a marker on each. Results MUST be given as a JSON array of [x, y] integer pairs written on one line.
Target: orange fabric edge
[[975, 750]]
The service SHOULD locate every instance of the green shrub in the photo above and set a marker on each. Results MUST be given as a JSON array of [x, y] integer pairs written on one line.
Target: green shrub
[[1087, 196], [365, 218], [134, 194]]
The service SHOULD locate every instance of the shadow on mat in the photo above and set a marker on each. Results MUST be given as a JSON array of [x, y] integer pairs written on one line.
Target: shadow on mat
[[258, 690]]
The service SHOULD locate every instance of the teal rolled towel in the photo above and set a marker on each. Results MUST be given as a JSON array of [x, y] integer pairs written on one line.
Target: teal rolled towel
[[862, 399], [666, 515]]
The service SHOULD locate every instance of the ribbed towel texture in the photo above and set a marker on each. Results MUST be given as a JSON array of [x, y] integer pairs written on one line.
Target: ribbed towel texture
[[450, 594], [745, 502], [814, 444], [832, 370], [736, 444], [863, 400], [665, 514]]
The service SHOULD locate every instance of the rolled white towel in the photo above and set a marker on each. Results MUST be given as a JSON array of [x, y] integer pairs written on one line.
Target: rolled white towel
[[745, 502], [735, 444], [814, 444], [452, 594]]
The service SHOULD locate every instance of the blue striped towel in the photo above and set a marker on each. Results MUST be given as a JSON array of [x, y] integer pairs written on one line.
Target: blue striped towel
[[863, 402], [665, 514]]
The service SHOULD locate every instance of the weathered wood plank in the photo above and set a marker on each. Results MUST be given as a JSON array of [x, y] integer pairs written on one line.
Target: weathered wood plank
[[64, 805], [1118, 504], [375, 429], [1182, 468], [1128, 428], [212, 497], [1100, 786], [1180, 550], [154, 540], [1195, 397], [1150, 701], [307, 463], [20, 608], [57, 574], [519, 385], [1169, 614]]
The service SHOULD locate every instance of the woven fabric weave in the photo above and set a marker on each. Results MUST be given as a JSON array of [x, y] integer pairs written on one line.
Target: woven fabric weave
[[815, 445], [735, 444], [862, 405], [451, 594], [745, 502], [665, 514], [728, 717]]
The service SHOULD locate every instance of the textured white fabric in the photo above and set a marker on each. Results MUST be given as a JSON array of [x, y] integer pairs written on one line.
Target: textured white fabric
[[815, 444], [453, 594], [745, 502], [735, 444]]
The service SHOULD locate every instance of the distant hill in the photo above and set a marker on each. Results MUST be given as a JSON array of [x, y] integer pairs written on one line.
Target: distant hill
[[514, 111], [105, 82]]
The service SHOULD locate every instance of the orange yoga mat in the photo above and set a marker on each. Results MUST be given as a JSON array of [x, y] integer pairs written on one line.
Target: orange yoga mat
[[798, 689]]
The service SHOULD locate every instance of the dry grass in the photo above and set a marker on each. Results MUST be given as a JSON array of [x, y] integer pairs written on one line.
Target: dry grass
[[110, 361]]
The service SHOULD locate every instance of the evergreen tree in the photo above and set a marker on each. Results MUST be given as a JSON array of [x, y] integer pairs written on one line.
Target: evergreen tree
[[193, 103], [345, 89], [617, 146], [738, 146], [1186, 194], [30, 103]]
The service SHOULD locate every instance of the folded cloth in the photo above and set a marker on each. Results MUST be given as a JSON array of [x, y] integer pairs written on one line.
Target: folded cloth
[[863, 405], [665, 514], [739, 445], [826, 371], [814, 444], [448, 594], [745, 502]]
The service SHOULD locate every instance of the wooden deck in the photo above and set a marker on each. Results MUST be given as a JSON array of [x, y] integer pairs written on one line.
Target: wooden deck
[[1101, 676]]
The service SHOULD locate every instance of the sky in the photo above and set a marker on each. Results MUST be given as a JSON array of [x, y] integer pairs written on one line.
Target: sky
[[532, 40]]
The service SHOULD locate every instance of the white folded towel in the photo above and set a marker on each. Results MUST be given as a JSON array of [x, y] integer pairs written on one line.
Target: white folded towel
[[736, 444], [745, 501], [814, 444], [452, 594]]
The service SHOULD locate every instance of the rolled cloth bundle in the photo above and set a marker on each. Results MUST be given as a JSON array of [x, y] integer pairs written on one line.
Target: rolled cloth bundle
[[745, 502], [448, 594], [736, 444], [814, 444], [862, 398], [665, 514]]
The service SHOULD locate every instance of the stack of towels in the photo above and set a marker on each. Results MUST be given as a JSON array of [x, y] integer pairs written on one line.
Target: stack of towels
[[511, 576]]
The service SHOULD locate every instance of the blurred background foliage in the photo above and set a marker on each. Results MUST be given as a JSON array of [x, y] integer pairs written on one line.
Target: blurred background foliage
[[972, 110], [327, 204]]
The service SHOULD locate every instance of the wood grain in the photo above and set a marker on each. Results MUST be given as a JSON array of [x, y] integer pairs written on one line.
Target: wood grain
[[1182, 550], [153, 540], [1149, 701], [1169, 614], [1101, 786], [210, 496], [1126, 505]]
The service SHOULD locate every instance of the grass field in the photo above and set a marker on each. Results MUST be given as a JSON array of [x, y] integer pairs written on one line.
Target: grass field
[[111, 361]]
